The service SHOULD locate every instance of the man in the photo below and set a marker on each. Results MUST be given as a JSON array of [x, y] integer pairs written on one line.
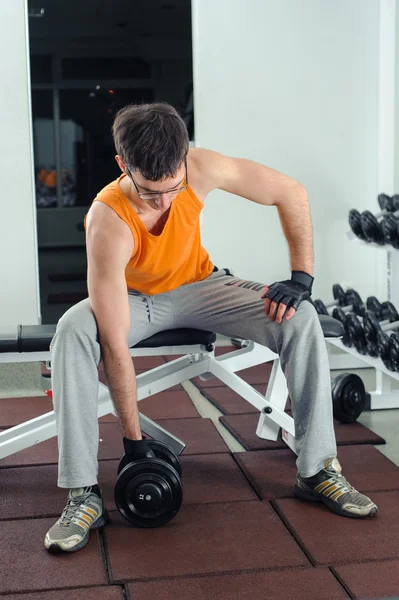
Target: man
[[147, 272]]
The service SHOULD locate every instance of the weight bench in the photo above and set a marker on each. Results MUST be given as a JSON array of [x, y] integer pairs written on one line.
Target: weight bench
[[31, 344]]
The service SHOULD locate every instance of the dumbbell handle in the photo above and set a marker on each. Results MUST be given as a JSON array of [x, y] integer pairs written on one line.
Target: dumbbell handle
[[388, 326], [382, 213], [335, 303], [390, 214], [347, 309]]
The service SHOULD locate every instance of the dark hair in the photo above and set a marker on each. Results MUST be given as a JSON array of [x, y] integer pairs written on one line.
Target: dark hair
[[152, 139]]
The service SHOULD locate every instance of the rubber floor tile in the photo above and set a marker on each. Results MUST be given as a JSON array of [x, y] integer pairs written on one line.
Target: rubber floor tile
[[243, 428], [228, 401], [26, 566], [167, 405], [370, 580], [201, 539], [259, 375], [14, 411], [92, 593], [293, 584], [329, 539], [273, 473]]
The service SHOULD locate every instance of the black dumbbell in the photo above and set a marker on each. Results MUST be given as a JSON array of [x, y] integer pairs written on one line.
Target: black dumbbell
[[365, 225], [148, 491], [376, 335], [388, 350], [390, 231], [339, 300], [347, 301], [348, 396], [353, 324]]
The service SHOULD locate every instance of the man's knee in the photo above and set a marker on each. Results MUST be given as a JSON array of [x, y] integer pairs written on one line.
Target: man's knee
[[78, 321], [306, 317]]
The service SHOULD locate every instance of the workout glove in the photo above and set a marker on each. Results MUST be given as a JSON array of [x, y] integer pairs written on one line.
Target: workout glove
[[137, 449], [291, 291]]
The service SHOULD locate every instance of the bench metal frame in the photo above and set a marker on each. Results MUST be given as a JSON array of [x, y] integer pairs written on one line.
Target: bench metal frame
[[196, 361]]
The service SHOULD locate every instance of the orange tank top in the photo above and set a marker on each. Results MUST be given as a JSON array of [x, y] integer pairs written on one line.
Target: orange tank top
[[162, 263]]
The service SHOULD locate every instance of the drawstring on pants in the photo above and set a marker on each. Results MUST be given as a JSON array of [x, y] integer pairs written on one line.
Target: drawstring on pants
[[150, 306]]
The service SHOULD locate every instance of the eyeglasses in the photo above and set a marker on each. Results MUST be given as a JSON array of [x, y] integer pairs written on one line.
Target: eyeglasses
[[153, 196]]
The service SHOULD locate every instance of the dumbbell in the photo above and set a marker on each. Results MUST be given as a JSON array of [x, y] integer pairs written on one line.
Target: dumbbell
[[353, 325], [148, 491], [348, 396], [365, 225], [379, 232], [390, 231], [339, 299], [347, 301], [375, 334]]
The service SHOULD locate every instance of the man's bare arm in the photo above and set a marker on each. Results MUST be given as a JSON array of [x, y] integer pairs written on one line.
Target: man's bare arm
[[110, 246], [266, 186]]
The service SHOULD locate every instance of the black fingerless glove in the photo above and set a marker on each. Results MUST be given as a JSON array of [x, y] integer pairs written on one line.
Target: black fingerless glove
[[137, 449], [291, 291]]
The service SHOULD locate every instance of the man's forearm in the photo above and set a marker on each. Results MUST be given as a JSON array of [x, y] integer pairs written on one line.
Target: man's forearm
[[294, 213], [121, 379]]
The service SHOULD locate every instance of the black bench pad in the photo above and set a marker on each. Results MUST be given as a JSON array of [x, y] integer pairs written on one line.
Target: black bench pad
[[37, 338]]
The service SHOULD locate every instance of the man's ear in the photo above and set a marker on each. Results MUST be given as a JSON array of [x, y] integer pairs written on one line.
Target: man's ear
[[120, 162]]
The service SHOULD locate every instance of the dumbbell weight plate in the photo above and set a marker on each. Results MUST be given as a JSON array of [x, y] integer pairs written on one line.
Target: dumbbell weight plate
[[373, 304], [389, 312], [371, 228], [338, 293], [384, 351], [320, 307], [389, 226], [371, 327], [349, 397], [161, 451], [353, 298], [355, 334], [385, 202], [394, 351], [340, 315], [356, 225], [148, 493]]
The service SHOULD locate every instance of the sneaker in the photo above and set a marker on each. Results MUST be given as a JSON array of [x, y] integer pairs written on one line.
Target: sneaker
[[331, 487], [84, 511]]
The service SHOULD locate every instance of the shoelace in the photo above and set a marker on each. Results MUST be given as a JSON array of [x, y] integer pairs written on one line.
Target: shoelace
[[347, 487], [69, 510]]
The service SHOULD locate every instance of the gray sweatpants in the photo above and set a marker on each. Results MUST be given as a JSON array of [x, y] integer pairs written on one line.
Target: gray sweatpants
[[220, 303]]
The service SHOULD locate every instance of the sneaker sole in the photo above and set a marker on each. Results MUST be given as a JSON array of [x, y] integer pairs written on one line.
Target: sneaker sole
[[302, 495], [55, 548]]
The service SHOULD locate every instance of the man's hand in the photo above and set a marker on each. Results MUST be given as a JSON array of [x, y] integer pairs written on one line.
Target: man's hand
[[283, 297]]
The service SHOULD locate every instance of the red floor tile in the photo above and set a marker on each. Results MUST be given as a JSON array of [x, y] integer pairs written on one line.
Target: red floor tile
[[329, 539], [273, 473], [201, 539], [25, 564], [86, 593], [293, 584], [370, 580], [243, 428]]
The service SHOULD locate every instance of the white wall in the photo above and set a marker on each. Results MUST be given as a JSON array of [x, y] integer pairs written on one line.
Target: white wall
[[293, 85], [18, 248]]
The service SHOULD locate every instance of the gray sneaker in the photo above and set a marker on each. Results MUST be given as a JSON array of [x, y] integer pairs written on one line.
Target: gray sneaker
[[331, 487], [84, 511]]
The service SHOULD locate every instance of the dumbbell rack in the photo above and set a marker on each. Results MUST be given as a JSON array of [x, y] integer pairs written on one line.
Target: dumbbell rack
[[383, 396]]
